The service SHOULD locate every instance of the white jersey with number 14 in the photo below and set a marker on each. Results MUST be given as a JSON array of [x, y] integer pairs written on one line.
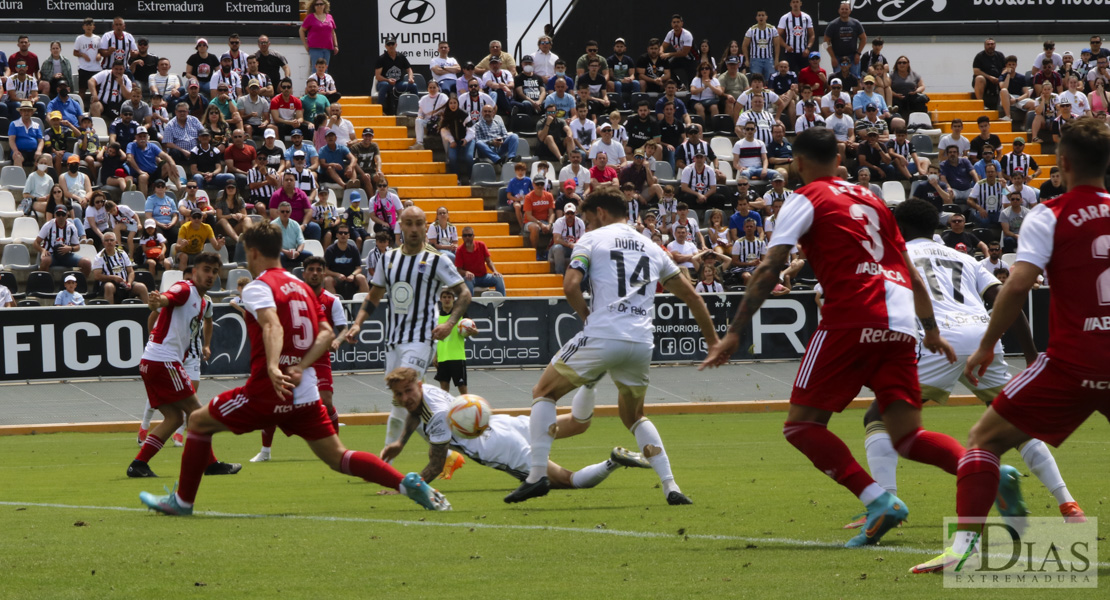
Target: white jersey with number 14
[[624, 268]]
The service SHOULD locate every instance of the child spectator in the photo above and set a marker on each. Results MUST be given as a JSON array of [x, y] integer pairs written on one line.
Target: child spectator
[[69, 296]]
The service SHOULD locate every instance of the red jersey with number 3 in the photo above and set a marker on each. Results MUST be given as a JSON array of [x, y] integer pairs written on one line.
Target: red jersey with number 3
[[853, 243], [1069, 238], [300, 315]]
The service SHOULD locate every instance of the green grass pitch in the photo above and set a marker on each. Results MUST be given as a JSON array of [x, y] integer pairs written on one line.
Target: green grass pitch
[[764, 522]]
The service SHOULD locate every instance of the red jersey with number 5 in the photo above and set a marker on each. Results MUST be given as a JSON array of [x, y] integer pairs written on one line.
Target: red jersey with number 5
[[300, 315], [852, 241], [1069, 238]]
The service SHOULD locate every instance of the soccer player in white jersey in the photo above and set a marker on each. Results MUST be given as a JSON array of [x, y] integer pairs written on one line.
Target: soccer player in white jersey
[[413, 276], [169, 386], [623, 270], [503, 447], [961, 288]]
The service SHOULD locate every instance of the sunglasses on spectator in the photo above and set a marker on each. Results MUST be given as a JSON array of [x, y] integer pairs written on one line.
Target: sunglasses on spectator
[[344, 233], [286, 87], [190, 187], [468, 235], [198, 216], [285, 212], [545, 43], [98, 202]]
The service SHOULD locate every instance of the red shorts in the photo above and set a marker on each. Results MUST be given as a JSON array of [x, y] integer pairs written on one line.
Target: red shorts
[[1048, 403], [242, 415], [323, 376], [839, 362], [166, 382]]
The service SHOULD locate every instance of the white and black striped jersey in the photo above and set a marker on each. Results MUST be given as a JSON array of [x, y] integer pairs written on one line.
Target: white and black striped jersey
[[689, 151], [373, 259], [1013, 161], [21, 87], [712, 288], [413, 284], [763, 41], [233, 81], [699, 182], [108, 89], [306, 179], [749, 250], [905, 149], [763, 120], [802, 123], [443, 235], [112, 264], [795, 31], [239, 65], [769, 99], [195, 351], [772, 195], [990, 196], [265, 192], [121, 49]]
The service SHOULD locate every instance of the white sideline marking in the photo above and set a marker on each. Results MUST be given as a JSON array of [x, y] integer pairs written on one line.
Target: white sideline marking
[[612, 532]]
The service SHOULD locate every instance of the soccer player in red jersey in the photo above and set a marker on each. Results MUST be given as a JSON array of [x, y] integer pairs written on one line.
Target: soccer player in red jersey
[[1068, 239], [168, 385], [333, 310], [288, 333], [867, 334]]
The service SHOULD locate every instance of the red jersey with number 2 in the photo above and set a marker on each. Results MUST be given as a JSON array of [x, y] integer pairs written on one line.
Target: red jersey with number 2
[[853, 243], [1069, 238], [300, 315]]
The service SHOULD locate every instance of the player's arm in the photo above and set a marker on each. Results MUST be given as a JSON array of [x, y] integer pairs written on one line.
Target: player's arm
[[1020, 328], [153, 318], [923, 307], [437, 457], [682, 290], [272, 339], [1007, 306], [319, 347], [207, 342], [764, 279], [369, 305], [393, 450], [572, 289]]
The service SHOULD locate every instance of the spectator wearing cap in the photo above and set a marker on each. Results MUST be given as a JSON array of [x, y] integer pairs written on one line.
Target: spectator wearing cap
[[645, 187], [474, 263], [813, 75], [393, 76], [868, 96], [1018, 159], [192, 236], [337, 163], [148, 161], [356, 218], [254, 109], [25, 137], [265, 84], [152, 251], [1063, 117], [317, 32], [606, 144], [734, 83], [297, 144], [566, 232], [368, 157], [871, 121], [58, 242], [849, 83], [122, 130], [808, 118], [58, 140], [227, 77], [206, 168], [76, 186], [180, 134], [69, 296], [622, 71], [202, 66], [874, 156], [498, 83], [286, 110], [699, 184], [493, 141], [196, 102], [845, 37]]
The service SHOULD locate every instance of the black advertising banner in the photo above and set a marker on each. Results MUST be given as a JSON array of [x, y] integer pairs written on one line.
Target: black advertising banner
[[940, 17], [193, 11], [51, 343]]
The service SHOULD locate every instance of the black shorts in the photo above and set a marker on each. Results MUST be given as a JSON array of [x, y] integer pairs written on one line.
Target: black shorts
[[83, 78], [120, 295], [453, 371]]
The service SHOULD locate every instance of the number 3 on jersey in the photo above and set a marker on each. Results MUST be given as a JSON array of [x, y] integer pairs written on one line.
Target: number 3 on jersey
[[638, 278], [870, 218]]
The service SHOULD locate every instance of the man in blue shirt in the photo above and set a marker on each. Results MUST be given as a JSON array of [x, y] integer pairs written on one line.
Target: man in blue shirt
[[336, 162], [868, 96], [147, 161], [311, 157], [25, 136], [163, 210], [958, 173], [69, 107]]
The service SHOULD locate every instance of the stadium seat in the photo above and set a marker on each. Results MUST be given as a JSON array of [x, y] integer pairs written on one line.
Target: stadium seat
[[40, 284], [279, 144], [482, 174], [131, 301], [524, 125], [13, 179], [359, 298], [28, 303], [315, 247], [241, 255], [1009, 258], [420, 83], [507, 175], [144, 277], [638, 96], [954, 208], [225, 262], [894, 193], [7, 279], [697, 120], [100, 126], [16, 257], [169, 278], [82, 284], [722, 147], [298, 272], [923, 144], [9, 209], [919, 120], [664, 173], [726, 170], [408, 105], [4, 239], [552, 173], [987, 234], [721, 125], [218, 290], [502, 196], [234, 275], [96, 302], [134, 200], [347, 197], [87, 251]]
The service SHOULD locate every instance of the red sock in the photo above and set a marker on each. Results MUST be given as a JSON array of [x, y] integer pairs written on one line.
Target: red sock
[[268, 437], [149, 448], [334, 416], [828, 453], [211, 455], [976, 483], [931, 448], [197, 456], [371, 468]]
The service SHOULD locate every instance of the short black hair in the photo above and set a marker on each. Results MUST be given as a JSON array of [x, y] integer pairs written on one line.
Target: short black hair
[[916, 218], [314, 260], [609, 199], [817, 144], [209, 258]]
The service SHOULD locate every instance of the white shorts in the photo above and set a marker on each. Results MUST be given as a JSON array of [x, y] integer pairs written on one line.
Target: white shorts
[[505, 446], [192, 369], [584, 360], [414, 355], [938, 377]]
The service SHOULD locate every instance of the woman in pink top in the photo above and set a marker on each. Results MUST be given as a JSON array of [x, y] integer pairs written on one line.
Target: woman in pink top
[[1100, 101], [318, 32]]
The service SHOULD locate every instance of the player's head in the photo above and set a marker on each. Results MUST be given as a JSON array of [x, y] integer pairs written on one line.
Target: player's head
[[816, 154], [263, 244], [206, 268], [1083, 151], [1002, 274], [381, 238], [414, 224], [916, 218], [314, 271], [407, 388], [604, 206], [447, 299]]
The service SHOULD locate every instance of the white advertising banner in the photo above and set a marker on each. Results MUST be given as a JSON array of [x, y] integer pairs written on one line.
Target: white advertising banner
[[418, 25]]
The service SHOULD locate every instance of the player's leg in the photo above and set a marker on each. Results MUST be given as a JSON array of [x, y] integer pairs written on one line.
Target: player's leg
[[195, 459], [267, 442], [414, 356], [172, 418], [144, 427], [543, 420], [882, 458]]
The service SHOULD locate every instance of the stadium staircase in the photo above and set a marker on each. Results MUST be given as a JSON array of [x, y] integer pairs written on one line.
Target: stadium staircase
[[417, 176]]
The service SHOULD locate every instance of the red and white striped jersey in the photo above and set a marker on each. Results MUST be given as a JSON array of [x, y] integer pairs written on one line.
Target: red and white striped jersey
[[856, 250], [176, 324], [1069, 238], [332, 306], [300, 315]]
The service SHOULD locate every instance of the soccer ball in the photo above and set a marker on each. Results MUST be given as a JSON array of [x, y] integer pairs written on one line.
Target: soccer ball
[[467, 328], [469, 416]]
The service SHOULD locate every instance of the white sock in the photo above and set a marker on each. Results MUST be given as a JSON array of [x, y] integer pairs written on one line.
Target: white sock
[[395, 426], [182, 503], [588, 477], [1039, 459], [647, 438], [541, 427], [871, 493], [882, 460], [582, 407], [965, 540], [265, 450], [148, 414]]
